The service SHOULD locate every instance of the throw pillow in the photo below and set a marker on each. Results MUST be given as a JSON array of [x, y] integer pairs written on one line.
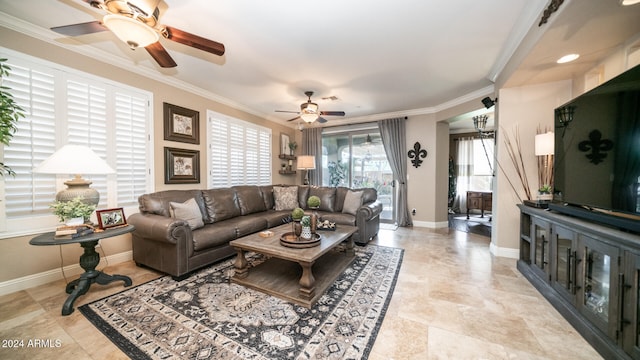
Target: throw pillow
[[188, 211], [352, 201], [285, 197]]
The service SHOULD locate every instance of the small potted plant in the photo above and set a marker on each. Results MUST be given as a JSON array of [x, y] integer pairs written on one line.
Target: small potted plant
[[293, 146], [296, 216], [313, 202], [545, 192], [75, 209], [306, 227]]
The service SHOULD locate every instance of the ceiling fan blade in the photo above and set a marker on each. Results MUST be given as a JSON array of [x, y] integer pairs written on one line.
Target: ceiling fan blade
[[286, 111], [321, 120], [195, 41], [160, 55], [80, 29], [332, 113], [295, 118]]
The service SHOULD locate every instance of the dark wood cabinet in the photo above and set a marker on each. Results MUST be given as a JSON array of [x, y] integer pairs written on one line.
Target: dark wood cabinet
[[480, 200], [590, 273]]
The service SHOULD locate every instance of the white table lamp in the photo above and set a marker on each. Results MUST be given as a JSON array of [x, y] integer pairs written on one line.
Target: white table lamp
[[306, 162], [76, 160]]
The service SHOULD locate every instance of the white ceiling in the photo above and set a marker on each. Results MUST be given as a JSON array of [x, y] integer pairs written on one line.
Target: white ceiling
[[379, 58]]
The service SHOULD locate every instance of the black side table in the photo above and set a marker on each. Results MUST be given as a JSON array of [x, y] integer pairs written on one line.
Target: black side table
[[88, 261]]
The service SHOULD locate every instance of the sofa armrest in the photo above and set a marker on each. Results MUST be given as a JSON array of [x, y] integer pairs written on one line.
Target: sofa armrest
[[159, 228], [370, 210]]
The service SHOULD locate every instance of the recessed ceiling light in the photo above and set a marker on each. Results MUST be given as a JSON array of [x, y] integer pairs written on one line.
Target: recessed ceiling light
[[568, 58], [629, 2]]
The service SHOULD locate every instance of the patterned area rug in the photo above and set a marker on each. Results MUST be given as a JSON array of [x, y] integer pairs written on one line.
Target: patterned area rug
[[207, 317]]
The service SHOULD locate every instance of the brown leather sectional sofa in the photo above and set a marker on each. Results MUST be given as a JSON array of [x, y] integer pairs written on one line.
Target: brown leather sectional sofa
[[170, 245]]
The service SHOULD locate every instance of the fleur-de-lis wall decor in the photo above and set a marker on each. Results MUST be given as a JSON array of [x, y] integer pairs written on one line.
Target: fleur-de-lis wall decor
[[416, 155], [597, 145]]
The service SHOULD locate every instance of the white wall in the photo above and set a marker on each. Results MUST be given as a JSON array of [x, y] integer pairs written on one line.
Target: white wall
[[520, 112]]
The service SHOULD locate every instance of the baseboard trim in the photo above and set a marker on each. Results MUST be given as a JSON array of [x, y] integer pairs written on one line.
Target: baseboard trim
[[504, 252], [29, 281], [431, 224]]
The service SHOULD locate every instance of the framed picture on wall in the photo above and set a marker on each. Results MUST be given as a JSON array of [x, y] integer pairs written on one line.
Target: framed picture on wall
[[181, 124], [284, 144], [181, 166]]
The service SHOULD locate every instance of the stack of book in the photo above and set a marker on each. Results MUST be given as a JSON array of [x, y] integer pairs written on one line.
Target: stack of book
[[67, 232]]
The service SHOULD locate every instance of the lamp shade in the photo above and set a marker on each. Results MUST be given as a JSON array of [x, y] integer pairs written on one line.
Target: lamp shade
[[544, 144], [133, 32], [74, 159], [306, 162]]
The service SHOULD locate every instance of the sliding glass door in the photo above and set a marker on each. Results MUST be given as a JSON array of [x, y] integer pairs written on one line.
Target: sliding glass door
[[358, 160]]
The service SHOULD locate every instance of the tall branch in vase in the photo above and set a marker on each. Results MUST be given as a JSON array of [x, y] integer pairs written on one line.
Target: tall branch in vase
[[514, 150]]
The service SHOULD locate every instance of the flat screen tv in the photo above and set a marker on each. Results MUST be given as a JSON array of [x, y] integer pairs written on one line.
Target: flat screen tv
[[597, 154]]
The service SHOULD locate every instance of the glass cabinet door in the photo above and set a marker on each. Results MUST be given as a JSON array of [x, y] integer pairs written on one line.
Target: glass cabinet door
[[599, 279], [629, 321], [566, 261], [540, 248]]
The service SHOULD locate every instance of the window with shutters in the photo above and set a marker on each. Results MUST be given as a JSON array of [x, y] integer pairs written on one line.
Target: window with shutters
[[239, 152], [66, 106]]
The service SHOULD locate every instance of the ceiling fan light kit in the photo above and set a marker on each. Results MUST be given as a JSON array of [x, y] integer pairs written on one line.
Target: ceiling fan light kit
[[132, 32]]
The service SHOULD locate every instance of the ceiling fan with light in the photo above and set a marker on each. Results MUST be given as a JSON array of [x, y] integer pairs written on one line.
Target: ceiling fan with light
[[136, 23], [309, 111]]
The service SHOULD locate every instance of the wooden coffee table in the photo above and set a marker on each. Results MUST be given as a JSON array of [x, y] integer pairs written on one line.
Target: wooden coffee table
[[297, 275]]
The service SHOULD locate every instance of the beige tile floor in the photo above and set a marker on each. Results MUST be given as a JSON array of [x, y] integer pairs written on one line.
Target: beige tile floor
[[453, 300]]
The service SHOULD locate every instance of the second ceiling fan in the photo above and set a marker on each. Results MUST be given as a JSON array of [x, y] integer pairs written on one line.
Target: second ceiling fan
[[309, 111]]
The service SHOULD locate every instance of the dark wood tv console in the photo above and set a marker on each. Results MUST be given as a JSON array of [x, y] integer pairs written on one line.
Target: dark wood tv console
[[589, 272]]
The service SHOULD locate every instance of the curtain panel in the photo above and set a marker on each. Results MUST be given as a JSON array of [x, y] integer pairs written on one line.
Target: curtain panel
[[394, 139], [312, 145]]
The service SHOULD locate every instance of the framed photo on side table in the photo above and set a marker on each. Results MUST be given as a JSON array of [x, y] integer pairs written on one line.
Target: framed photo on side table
[[181, 166], [110, 218], [181, 124]]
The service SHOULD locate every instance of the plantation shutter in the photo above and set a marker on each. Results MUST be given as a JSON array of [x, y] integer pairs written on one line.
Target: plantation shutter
[[28, 193], [240, 152], [86, 117], [264, 157], [131, 113]]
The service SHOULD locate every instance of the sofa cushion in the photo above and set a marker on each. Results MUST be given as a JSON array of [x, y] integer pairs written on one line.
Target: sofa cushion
[[158, 203], [187, 211], [214, 235], [341, 192], [352, 202], [339, 218], [267, 195], [285, 197], [220, 204], [327, 197], [303, 195], [249, 199]]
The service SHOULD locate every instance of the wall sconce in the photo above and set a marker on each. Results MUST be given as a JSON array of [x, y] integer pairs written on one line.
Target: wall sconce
[[565, 115], [487, 102]]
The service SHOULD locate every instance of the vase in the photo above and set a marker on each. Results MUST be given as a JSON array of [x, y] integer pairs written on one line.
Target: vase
[[314, 222], [306, 232], [297, 228], [545, 196]]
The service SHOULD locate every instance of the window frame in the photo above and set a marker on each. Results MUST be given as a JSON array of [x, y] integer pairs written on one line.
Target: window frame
[[263, 161]]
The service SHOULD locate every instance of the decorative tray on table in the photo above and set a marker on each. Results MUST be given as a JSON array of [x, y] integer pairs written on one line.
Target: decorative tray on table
[[289, 239]]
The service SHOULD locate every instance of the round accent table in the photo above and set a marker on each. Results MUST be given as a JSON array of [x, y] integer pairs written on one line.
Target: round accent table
[[88, 261]]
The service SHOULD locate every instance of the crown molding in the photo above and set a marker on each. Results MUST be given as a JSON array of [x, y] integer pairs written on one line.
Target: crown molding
[[527, 19]]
